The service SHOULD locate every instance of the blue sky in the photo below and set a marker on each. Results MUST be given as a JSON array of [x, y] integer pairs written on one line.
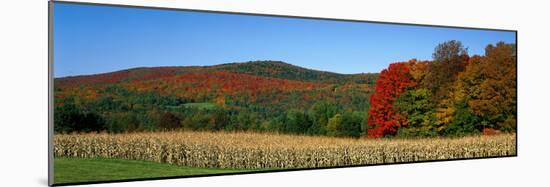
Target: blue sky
[[92, 39]]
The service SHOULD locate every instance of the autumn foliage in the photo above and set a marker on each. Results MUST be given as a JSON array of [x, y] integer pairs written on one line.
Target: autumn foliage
[[454, 95], [224, 83], [383, 119], [262, 96]]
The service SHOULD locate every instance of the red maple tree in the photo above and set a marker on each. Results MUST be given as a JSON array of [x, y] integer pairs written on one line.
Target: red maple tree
[[383, 119]]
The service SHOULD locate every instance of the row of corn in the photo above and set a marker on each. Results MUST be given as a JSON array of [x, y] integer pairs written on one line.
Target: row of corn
[[259, 151]]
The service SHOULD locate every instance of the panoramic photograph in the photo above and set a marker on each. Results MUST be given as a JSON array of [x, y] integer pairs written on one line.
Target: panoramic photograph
[[142, 93]]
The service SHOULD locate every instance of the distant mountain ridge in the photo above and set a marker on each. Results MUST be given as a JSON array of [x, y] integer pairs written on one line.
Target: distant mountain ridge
[[270, 69]]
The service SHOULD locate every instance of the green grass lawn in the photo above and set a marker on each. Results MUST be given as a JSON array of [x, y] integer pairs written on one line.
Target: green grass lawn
[[70, 170]]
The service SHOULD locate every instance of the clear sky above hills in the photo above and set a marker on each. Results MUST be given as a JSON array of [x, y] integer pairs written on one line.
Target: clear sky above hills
[[91, 39]]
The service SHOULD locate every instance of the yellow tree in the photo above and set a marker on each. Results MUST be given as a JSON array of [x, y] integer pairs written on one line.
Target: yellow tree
[[487, 88], [466, 84]]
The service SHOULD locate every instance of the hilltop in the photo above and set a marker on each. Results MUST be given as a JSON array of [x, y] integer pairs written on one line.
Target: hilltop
[[268, 69]]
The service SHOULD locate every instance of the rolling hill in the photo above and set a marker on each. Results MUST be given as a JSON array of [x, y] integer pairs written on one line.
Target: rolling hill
[[269, 69], [262, 91]]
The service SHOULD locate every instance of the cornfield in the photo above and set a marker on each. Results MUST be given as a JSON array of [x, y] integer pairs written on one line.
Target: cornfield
[[260, 151]]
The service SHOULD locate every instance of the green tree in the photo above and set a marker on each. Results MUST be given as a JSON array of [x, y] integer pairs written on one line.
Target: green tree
[[68, 117], [320, 113], [464, 121], [416, 106], [333, 125], [122, 122], [350, 125], [297, 122]]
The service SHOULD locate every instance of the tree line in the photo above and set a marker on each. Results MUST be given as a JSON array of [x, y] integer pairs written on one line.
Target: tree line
[[455, 94], [322, 118]]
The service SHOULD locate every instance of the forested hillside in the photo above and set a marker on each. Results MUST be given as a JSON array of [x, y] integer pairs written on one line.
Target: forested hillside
[[258, 96]]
